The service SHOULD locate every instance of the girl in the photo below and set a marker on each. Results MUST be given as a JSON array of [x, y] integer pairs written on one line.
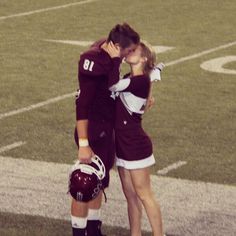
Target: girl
[[133, 146]]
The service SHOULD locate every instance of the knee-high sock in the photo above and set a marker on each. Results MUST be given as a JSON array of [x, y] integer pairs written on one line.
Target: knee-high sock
[[78, 226], [94, 214]]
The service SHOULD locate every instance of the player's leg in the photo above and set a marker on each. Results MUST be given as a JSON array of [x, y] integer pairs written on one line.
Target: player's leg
[[142, 184], [79, 213], [79, 210], [133, 203], [94, 222], [103, 146], [87, 212]]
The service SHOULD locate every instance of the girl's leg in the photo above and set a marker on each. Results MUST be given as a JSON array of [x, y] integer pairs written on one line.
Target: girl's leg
[[142, 185], [133, 202]]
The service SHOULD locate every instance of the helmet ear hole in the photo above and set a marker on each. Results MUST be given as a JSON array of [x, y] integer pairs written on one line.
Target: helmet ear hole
[[85, 180]]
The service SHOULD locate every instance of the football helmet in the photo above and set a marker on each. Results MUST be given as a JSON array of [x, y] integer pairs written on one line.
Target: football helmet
[[85, 180]]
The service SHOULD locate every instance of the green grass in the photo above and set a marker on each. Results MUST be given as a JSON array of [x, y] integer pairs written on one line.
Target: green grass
[[193, 119], [25, 225]]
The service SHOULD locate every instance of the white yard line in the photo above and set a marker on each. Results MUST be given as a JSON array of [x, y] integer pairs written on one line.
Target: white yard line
[[52, 100], [188, 207], [37, 105], [71, 42], [45, 9], [171, 167], [11, 146], [183, 59]]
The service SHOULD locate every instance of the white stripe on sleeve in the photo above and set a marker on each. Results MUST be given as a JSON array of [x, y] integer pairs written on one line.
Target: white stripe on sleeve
[[121, 85]]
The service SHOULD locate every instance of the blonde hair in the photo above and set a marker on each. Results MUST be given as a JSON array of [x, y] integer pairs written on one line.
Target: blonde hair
[[149, 53]]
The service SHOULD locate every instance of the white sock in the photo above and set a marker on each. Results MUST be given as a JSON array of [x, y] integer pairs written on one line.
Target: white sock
[[94, 214], [78, 222]]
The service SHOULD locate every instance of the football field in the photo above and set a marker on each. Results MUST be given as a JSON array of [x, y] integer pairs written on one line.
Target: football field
[[192, 124]]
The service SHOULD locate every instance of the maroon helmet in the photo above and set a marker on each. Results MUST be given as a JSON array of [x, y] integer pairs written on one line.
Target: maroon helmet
[[85, 179]]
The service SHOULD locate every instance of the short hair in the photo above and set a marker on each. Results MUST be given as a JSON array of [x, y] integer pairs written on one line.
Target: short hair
[[124, 35]]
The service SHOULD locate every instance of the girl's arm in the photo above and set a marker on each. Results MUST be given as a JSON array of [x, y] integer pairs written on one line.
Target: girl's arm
[[120, 85], [155, 76], [150, 99]]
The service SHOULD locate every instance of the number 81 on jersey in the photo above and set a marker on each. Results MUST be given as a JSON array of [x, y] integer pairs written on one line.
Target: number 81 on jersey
[[88, 65]]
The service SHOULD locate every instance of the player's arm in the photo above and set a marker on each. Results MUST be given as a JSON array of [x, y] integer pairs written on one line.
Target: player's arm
[[114, 74], [83, 104], [114, 52], [82, 107], [84, 152]]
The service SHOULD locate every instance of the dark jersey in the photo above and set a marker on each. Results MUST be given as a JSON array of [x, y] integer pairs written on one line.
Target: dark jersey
[[95, 75], [131, 102]]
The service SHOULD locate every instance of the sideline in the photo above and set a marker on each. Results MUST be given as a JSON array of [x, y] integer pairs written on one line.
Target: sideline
[[188, 207]]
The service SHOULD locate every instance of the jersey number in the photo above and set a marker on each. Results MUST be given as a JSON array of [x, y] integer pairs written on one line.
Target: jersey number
[[88, 65]]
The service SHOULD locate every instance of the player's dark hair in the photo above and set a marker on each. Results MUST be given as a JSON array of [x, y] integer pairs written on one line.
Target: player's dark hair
[[149, 53], [124, 35]]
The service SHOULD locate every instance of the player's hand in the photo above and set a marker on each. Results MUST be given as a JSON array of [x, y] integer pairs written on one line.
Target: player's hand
[[85, 154], [113, 50]]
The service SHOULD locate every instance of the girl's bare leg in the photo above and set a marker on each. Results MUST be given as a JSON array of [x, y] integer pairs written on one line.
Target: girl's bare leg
[[133, 203], [142, 185]]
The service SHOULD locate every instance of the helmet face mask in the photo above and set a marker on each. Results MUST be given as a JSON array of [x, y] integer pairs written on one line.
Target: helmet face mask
[[85, 180]]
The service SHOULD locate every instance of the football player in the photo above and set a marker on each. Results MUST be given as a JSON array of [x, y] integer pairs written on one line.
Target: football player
[[95, 114], [134, 154]]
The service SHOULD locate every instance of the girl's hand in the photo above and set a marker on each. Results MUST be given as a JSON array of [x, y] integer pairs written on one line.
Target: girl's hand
[[113, 50], [150, 103]]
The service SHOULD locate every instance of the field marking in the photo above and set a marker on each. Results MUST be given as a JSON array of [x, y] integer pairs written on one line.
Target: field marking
[[11, 146], [71, 42], [161, 49], [52, 100], [37, 105], [45, 9], [183, 59], [171, 167], [216, 65], [188, 207]]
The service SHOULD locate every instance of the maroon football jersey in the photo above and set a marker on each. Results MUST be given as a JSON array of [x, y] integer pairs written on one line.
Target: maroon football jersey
[[96, 74]]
